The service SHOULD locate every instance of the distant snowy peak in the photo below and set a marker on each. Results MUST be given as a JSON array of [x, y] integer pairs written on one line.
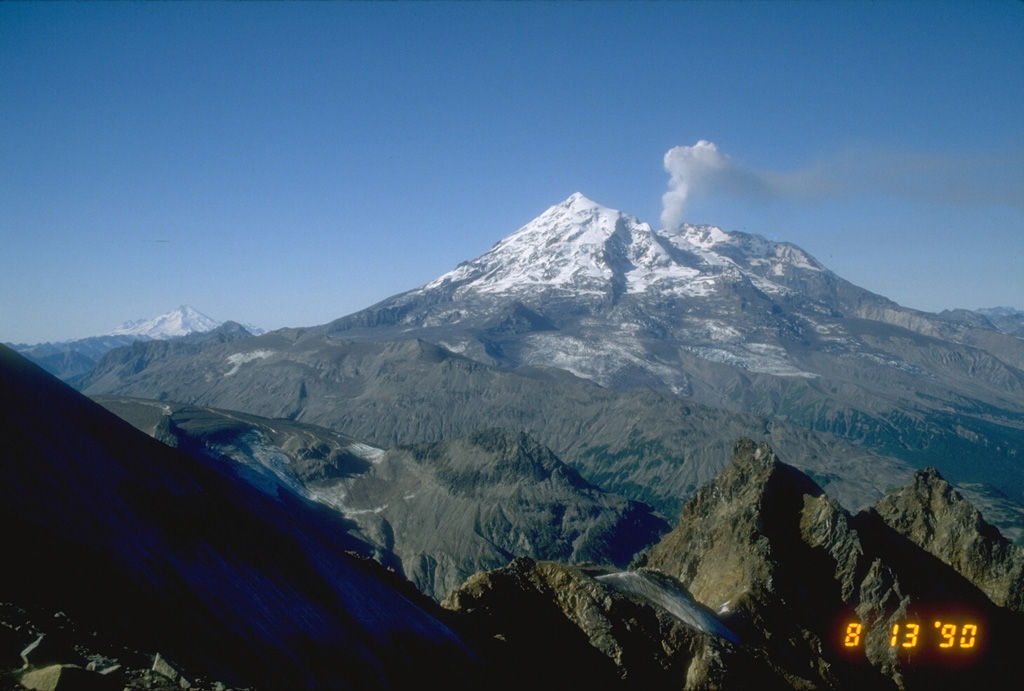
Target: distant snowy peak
[[179, 322], [582, 247]]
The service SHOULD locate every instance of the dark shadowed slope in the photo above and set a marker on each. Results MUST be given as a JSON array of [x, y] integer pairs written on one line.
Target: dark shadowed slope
[[133, 537]]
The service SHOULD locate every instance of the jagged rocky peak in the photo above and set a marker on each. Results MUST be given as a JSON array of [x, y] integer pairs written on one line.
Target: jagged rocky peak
[[738, 535], [933, 515], [781, 563], [743, 500]]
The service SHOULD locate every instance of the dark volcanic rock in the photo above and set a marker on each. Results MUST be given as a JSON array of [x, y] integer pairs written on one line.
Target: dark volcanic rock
[[787, 568], [934, 516], [549, 613]]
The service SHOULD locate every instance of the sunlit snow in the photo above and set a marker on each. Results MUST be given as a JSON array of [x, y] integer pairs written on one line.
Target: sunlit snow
[[239, 359], [678, 603]]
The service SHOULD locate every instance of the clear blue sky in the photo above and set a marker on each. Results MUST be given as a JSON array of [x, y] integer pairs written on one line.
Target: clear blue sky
[[286, 164]]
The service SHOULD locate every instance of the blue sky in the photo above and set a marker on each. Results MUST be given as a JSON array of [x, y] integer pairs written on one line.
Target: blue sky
[[287, 164]]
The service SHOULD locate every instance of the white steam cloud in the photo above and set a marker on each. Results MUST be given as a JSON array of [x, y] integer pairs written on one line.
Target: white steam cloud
[[702, 170], [692, 169]]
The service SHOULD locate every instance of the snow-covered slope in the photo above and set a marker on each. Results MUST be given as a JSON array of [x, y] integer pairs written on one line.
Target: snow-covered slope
[[586, 248], [69, 360], [178, 322]]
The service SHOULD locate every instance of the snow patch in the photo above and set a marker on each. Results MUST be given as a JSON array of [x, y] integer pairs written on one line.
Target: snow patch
[[755, 357], [239, 359], [366, 452], [262, 464], [679, 603]]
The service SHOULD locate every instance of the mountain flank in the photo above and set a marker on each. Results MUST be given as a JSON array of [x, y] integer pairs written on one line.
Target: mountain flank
[[730, 320], [651, 447], [437, 512], [166, 553]]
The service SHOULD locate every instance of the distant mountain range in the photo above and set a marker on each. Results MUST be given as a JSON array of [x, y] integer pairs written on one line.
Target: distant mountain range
[[739, 332], [70, 359], [1006, 319]]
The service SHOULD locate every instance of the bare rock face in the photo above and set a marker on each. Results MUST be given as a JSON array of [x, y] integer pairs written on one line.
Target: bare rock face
[[549, 613], [935, 517], [450, 509], [766, 549], [837, 601]]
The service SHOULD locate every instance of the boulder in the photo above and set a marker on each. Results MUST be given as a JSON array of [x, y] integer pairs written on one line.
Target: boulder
[[66, 678]]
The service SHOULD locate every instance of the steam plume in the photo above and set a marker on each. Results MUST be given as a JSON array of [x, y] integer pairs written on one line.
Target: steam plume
[[702, 170], [692, 169]]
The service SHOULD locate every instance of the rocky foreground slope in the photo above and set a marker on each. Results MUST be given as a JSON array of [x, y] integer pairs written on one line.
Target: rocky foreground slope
[[779, 588], [168, 554]]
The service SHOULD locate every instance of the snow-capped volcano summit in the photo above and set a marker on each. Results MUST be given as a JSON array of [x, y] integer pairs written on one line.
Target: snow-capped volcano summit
[[182, 321], [577, 245], [586, 248], [178, 322], [597, 292]]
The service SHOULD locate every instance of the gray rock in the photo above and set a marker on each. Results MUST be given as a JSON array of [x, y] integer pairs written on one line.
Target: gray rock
[[549, 613], [165, 668], [934, 516], [49, 649], [66, 678]]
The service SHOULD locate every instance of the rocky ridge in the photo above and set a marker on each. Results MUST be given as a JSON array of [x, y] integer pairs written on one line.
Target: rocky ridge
[[936, 518], [435, 512], [801, 594], [450, 509]]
